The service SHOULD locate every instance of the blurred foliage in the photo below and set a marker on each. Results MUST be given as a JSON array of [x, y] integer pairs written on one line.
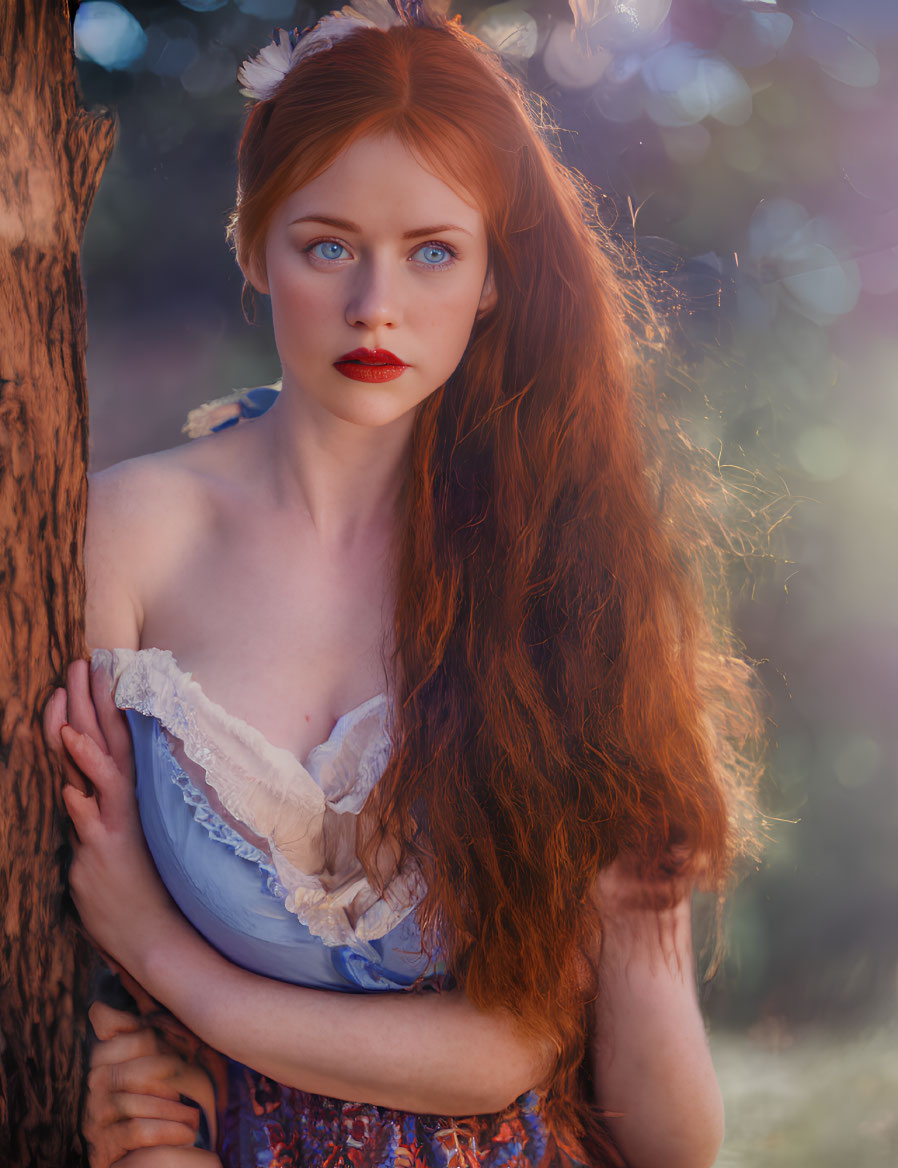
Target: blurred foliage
[[747, 153], [821, 1101]]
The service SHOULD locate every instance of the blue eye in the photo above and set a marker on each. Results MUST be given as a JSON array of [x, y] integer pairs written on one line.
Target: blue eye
[[328, 243], [436, 255]]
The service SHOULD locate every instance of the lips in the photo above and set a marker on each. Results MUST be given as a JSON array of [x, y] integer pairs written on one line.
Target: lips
[[371, 357], [370, 365]]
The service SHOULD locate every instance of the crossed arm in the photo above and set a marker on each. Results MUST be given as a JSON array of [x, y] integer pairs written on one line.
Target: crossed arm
[[650, 1057]]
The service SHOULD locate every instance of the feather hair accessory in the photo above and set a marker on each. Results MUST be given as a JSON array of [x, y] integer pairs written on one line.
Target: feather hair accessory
[[261, 75]]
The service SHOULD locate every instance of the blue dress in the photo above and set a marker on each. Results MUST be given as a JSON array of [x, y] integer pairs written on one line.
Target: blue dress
[[285, 896]]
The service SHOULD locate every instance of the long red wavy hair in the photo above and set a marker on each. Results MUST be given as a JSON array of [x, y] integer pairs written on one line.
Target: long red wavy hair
[[562, 694]]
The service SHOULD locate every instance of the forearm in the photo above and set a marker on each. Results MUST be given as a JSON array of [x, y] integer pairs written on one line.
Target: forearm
[[650, 1055], [430, 1053]]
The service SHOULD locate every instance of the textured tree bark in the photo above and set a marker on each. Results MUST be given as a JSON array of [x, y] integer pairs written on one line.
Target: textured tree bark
[[53, 153]]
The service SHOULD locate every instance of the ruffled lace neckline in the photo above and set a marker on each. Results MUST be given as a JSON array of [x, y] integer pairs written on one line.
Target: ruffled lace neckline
[[306, 811]]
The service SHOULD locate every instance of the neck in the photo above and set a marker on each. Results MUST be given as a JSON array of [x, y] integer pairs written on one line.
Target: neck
[[344, 477]]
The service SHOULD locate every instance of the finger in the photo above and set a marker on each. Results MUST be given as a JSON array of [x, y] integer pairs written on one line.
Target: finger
[[193, 1083], [153, 1065], [107, 1021], [164, 1076], [54, 718], [82, 715], [83, 812], [118, 1092], [73, 776], [114, 791], [169, 1158], [121, 1105], [113, 724], [130, 1135], [122, 1047], [55, 713]]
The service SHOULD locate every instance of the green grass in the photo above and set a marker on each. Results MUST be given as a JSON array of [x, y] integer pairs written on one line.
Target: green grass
[[809, 1100]]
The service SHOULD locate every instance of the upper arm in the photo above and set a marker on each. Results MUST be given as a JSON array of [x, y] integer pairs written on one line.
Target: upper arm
[[113, 612]]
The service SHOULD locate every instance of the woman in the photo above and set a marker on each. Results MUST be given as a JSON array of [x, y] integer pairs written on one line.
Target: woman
[[470, 617]]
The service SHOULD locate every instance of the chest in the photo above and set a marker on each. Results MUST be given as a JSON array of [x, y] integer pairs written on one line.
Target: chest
[[282, 634]]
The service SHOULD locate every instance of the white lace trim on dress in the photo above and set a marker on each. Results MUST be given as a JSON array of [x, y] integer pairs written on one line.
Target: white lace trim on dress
[[306, 812]]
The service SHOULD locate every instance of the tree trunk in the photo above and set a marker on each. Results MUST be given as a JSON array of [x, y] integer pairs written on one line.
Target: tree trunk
[[53, 153]]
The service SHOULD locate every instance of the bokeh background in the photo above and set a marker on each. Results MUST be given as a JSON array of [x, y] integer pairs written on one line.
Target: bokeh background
[[747, 152]]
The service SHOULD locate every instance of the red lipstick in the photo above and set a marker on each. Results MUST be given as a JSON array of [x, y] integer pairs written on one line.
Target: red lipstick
[[370, 365]]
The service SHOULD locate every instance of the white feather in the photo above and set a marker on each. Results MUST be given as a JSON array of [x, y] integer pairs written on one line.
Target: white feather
[[261, 75]]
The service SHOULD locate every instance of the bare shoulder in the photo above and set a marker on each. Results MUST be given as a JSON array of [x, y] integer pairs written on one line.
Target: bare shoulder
[[138, 489], [140, 514], [132, 501]]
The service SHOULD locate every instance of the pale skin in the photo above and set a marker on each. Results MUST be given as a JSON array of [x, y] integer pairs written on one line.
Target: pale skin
[[290, 518]]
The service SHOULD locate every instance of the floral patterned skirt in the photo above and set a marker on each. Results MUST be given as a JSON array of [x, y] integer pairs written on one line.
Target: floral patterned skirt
[[267, 1125]]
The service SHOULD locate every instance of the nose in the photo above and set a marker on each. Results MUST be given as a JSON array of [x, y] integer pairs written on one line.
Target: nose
[[374, 300]]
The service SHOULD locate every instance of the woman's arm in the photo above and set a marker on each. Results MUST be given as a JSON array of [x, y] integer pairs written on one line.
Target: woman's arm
[[431, 1053], [650, 1057]]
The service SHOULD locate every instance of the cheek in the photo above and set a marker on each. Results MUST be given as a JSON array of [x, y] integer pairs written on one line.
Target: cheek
[[444, 332], [463, 317], [300, 303], [452, 312]]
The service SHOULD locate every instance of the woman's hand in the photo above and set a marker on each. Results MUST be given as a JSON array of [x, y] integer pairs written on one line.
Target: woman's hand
[[122, 903], [625, 887], [134, 1088], [646, 916]]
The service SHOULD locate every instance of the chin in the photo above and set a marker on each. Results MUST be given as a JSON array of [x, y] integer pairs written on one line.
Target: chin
[[374, 406], [374, 414]]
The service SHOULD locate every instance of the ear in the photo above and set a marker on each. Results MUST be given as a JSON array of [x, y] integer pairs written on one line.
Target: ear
[[254, 273], [488, 296]]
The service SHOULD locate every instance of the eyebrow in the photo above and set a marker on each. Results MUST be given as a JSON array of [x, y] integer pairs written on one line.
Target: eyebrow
[[346, 225]]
